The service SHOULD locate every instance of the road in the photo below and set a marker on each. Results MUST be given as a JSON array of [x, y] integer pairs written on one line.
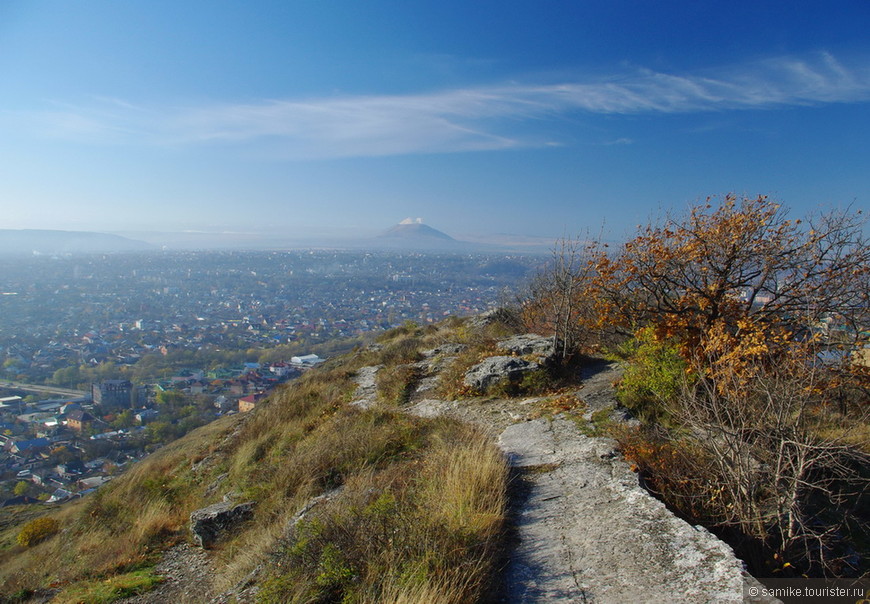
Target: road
[[40, 389]]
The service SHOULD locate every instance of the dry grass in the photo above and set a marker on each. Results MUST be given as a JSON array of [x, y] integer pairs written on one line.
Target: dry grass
[[451, 589], [240, 557], [424, 498], [120, 528], [852, 430], [451, 383], [426, 527], [396, 384], [464, 485]]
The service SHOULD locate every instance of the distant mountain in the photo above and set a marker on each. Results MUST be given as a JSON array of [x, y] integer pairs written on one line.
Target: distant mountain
[[415, 233], [31, 241]]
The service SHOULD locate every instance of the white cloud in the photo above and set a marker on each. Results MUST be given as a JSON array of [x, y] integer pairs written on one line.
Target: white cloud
[[482, 118]]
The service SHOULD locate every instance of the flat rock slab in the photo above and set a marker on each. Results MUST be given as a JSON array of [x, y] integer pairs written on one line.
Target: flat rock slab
[[589, 532], [431, 408], [529, 343], [367, 390]]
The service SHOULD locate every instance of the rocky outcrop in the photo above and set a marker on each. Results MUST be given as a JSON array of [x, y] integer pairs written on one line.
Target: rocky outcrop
[[530, 344], [445, 349], [310, 505], [528, 352], [210, 523], [495, 369], [588, 532]]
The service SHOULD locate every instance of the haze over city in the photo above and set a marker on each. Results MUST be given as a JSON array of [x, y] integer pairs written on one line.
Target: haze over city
[[340, 119]]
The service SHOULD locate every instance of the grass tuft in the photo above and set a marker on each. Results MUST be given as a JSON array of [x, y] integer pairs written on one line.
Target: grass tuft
[[100, 591]]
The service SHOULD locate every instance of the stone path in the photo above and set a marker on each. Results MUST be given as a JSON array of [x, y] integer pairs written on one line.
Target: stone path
[[587, 532], [187, 571], [366, 387], [584, 529]]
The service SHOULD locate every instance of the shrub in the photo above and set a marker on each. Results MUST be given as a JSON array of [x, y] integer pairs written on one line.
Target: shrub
[[37, 530], [654, 377], [676, 470], [535, 382]]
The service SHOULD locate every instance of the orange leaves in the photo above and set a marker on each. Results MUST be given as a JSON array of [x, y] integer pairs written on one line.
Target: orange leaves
[[709, 266]]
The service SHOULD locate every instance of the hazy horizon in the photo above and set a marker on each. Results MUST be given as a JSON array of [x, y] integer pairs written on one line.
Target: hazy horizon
[[67, 240]]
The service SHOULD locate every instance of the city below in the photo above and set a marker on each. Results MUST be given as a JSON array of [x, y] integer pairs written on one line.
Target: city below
[[106, 357]]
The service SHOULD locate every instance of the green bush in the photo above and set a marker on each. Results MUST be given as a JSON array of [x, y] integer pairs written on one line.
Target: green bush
[[654, 377], [37, 530]]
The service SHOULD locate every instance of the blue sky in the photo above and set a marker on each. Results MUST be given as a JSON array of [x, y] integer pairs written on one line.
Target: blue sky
[[534, 117]]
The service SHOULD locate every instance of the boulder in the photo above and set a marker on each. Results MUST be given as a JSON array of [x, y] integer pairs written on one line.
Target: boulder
[[209, 524], [530, 344], [494, 369]]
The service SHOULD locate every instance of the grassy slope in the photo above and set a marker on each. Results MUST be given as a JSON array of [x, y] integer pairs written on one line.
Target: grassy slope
[[419, 514]]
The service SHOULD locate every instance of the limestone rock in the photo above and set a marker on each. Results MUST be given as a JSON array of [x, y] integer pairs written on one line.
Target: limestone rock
[[588, 531], [530, 344], [208, 524], [310, 505], [367, 389], [493, 369], [446, 349]]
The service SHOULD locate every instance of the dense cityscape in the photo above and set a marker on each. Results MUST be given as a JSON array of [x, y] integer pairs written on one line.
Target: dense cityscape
[[105, 357]]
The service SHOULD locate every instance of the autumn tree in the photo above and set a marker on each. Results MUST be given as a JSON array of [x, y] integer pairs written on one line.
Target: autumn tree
[[773, 463], [747, 295], [742, 266]]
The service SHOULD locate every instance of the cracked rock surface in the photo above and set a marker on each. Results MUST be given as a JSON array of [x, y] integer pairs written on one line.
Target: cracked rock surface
[[588, 532]]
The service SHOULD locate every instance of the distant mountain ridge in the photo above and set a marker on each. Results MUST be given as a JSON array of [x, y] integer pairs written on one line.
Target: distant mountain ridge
[[36, 241]]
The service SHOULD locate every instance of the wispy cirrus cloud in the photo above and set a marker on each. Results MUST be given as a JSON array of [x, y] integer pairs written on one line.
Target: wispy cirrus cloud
[[469, 119]]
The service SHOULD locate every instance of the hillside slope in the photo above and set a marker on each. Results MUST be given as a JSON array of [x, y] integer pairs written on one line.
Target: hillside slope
[[378, 478]]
